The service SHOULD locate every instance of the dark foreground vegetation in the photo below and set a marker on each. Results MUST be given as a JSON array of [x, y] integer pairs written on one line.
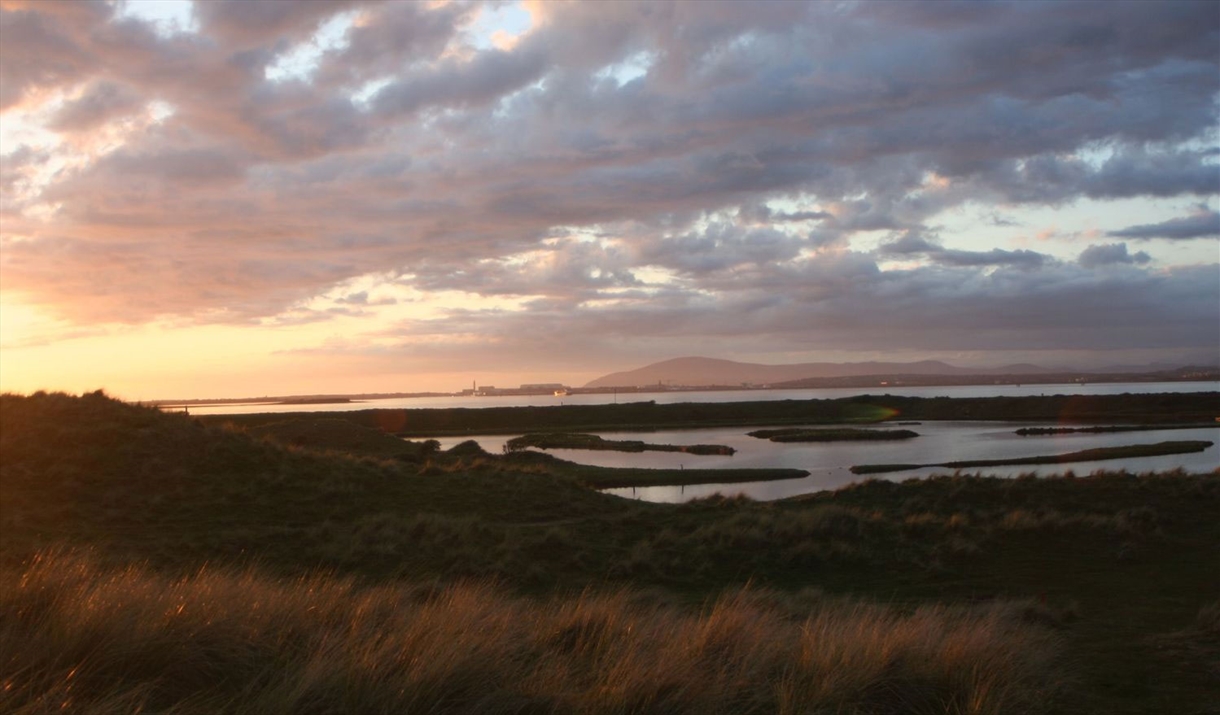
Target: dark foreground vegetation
[[842, 434], [572, 440], [640, 416], [1085, 455], [153, 562]]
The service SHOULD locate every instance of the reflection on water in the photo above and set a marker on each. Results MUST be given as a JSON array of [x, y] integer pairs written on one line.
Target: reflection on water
[[829, 463], [1111, 388]]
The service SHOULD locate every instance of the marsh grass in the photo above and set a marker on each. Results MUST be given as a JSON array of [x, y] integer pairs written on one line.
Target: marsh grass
[[84, 638]]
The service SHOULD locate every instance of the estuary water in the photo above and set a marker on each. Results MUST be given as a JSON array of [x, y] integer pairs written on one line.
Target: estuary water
[[829, 463], [668, 397]]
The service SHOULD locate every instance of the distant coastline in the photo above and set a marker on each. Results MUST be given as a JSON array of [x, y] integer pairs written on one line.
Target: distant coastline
[[866, 381], [289, 399]]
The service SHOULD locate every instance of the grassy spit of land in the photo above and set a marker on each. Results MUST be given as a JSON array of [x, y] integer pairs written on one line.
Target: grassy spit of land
[[612, 477], [841, 434], [596, 477], [1040, 431], [573, 440], [1096, 454], [152, 560]]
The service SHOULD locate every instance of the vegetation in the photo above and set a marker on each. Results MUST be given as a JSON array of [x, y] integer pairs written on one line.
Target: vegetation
[[610, 478], [1085, 455], [1038, 431], [328, 433], [113, 513], [641, 416], [572, 440], [842, 434], [95, 639]]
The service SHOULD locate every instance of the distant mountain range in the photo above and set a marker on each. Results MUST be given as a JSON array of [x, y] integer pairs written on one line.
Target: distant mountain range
[[701, 371]]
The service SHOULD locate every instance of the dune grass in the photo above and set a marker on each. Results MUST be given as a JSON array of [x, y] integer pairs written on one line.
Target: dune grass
[[83, 638]]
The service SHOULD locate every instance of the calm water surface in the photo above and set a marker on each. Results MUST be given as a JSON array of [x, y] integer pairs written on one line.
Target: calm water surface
[[1110, 388], [829, 463]]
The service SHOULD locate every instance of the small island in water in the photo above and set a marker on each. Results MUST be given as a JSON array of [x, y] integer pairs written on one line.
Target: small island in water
[[840, 434], [572, 440]]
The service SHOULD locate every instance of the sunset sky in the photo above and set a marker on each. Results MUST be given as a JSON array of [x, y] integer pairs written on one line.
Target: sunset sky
[[267, 198]]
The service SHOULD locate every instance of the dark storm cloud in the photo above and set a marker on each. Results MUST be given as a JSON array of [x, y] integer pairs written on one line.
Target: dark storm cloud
[[397, 35], [1130, 173], [737, 148], [994, 257], [461, 84], [847, 303], [1203, 224], [913, 243], [568, 271], [719, 247], [1107, 254]]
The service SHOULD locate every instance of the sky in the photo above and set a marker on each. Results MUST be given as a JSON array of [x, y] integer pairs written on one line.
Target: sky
[[223, 199]]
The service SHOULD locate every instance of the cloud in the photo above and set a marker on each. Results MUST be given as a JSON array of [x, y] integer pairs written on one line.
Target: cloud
[[730, 173], [994, 257], [100, 102], [39, 50], [911, 242], [568, 271], [914, 243], [1110, 254], [846, 303], [388, 38], [720, 246], [461, 84], [238, 23], [1202, 224]]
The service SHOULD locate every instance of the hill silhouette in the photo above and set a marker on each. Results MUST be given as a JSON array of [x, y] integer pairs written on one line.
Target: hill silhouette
[[697, 371]]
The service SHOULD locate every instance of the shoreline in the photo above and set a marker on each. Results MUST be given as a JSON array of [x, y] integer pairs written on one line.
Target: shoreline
[[1128, 408]]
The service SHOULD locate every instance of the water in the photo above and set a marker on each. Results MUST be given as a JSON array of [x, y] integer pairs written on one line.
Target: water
[[829, 463], [1107, 388]]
